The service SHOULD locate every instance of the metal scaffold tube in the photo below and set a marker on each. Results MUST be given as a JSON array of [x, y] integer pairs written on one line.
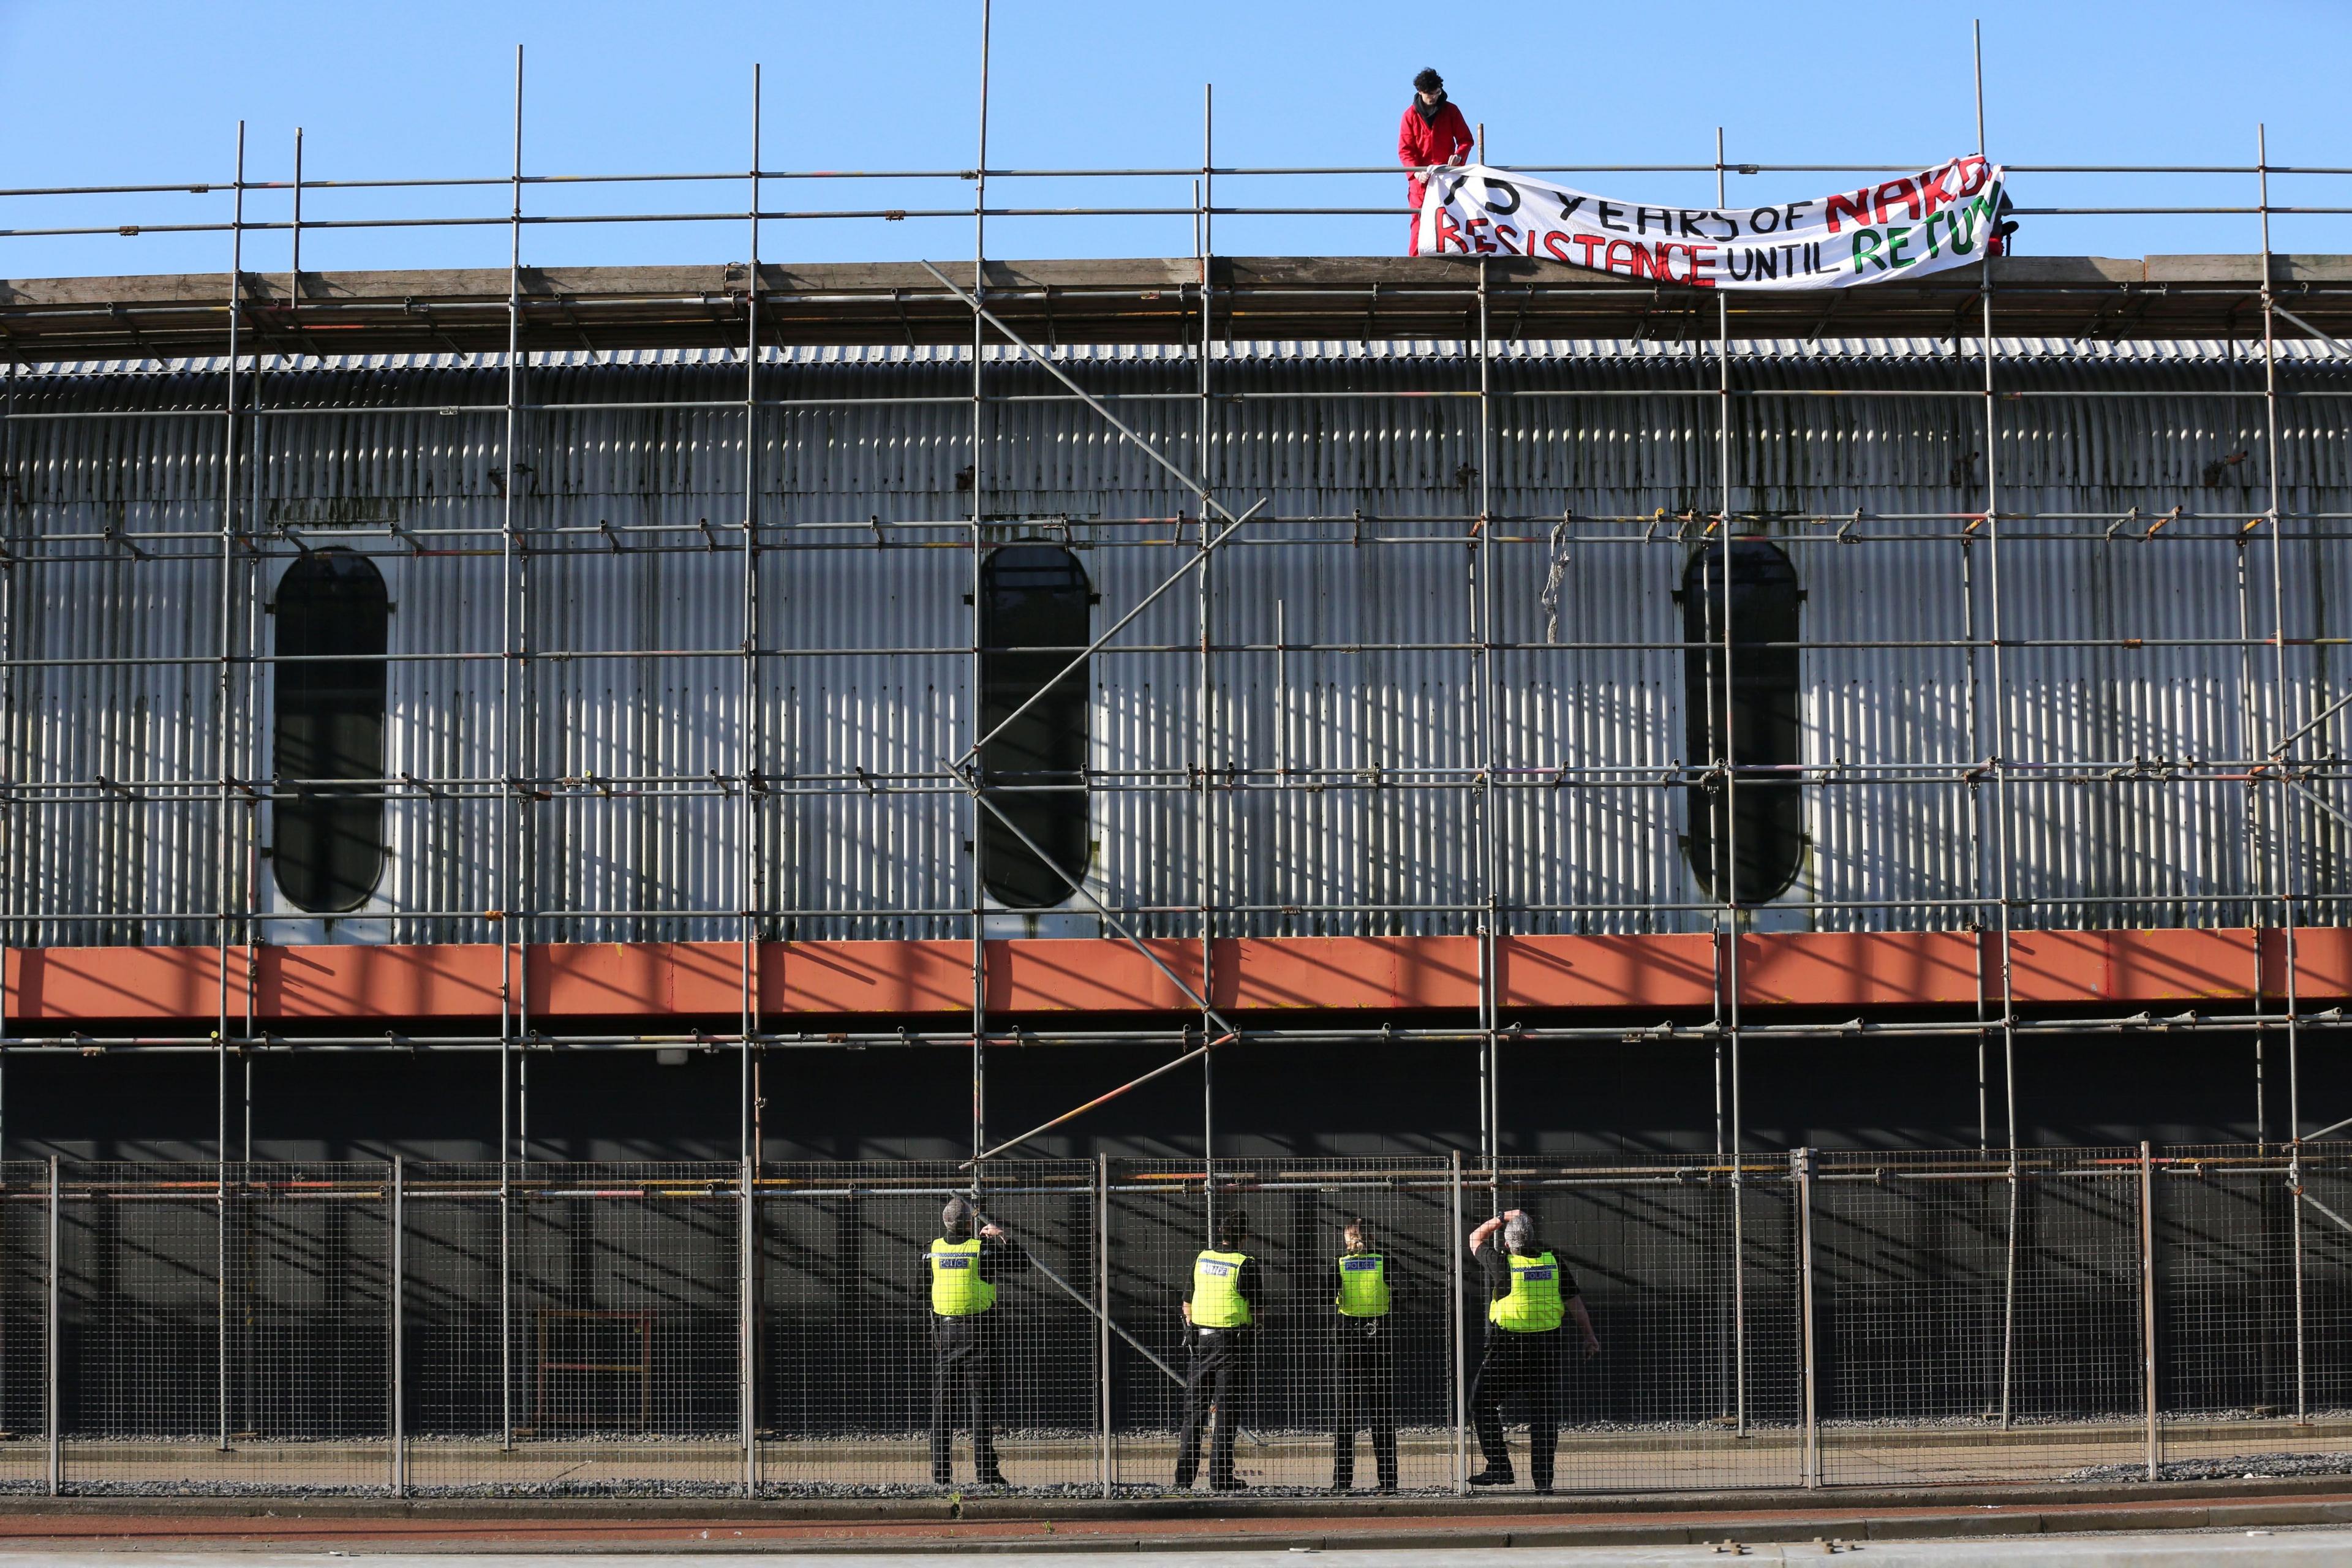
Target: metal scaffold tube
[[1724, 763], [1208, 862], [513, 635], [976, 692], [225, 718], [752, 892]]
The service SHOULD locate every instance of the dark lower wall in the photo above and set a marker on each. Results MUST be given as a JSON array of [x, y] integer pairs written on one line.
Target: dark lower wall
[[1269, 1100]]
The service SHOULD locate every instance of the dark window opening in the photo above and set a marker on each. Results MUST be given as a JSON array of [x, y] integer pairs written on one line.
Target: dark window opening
[[332, 622], [1033, 620], [1766, 810]]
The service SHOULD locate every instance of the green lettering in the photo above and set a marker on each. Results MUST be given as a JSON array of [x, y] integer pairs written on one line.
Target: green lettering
[[1978, 209], [1865, 248], [1895, 236], [1929, 229]]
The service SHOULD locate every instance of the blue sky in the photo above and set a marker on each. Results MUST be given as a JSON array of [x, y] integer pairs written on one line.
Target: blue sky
[[100, 93]]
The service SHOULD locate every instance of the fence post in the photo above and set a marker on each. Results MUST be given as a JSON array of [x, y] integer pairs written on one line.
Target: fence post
[[506, 1304], [2147, 1297], [2009, 1288], [51, 1376], [399, 1329], [1800, 1166], [1461, 1409], [2295, 1236], [746, 1324], [1102, 1317], [220, 1296]]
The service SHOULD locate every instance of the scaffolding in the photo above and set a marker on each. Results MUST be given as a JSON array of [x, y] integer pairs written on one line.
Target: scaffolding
[[1012, 319]]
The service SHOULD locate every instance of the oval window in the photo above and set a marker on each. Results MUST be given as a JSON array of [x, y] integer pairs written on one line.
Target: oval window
[[332, 630], [1033, 620], [1756, 821]]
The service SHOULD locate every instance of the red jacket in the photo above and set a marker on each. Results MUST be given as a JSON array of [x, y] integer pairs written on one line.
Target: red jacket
[[1420, 144]]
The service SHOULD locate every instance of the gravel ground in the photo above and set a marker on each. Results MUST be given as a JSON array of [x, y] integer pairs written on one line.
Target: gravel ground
[[2234, 1468]]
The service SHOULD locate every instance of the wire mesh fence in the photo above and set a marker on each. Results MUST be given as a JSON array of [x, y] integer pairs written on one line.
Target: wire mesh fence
[[1304, 1396], [1979, 1317], [863, 1387], [1074, 1328]]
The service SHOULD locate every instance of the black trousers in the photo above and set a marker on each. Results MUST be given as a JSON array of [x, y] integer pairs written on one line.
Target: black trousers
[[962, 1384], [1218, 1373], [1514, 1364], [1364, 1376]]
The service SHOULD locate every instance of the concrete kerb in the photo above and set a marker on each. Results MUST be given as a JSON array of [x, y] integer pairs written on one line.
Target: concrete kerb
[[970, 1507], [1215, 1524]]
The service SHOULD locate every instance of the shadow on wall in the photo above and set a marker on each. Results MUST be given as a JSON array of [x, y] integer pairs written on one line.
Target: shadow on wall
[[1557, 1099]]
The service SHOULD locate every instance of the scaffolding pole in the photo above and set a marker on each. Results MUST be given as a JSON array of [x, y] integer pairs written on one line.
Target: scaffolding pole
[[514, 969], [977, 700]]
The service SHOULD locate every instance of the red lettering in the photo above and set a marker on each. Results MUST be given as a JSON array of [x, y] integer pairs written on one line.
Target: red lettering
[[1623, 250], [1932, 195], [1645, 265], [1894, 191], [1973, 172], [1553, 241], [1702, 257], [1482, 244], [1501, 229], [1448, 232], [1587, 241], [1856, 206]]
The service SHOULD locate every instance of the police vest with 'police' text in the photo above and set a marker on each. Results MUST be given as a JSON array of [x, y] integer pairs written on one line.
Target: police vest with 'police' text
[[957, 1289], [1364, 1285], [1217, 1299], [1534, 1304]]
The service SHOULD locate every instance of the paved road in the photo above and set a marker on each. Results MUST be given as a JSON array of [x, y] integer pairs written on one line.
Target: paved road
[[2170, 1549]]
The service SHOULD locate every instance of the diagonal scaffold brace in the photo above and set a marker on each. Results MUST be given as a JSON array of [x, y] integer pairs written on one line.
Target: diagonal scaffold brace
[[1079, 886], [960, 767], [1113, 1324], [1208, 502], [1117, 626]]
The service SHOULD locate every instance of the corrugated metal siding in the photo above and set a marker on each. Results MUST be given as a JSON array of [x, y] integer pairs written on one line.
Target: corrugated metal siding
[[1379, 827]]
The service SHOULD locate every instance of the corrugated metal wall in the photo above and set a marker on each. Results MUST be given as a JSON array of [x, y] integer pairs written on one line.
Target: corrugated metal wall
[[631, 715]]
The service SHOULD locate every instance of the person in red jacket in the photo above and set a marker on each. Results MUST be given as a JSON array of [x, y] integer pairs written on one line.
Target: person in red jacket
[[1431, 132]]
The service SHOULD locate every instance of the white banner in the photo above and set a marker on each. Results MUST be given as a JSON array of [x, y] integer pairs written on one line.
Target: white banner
[[1901, 228]]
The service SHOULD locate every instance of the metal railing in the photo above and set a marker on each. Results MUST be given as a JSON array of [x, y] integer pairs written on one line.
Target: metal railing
[[1808, 1319]]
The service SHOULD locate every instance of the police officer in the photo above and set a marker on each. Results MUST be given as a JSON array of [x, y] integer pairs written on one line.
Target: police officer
[[964, 1302], [1217, 1310], [1364, 1360], [1527, 1295]]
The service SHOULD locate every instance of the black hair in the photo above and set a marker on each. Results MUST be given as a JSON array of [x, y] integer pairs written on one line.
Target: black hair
[[1232, 1225], [1429, 80]]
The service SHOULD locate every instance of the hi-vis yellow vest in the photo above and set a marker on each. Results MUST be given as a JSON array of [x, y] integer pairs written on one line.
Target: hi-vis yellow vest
[[1534, 1303], [1364, 1285], [957, 1289], [1217, 1300]]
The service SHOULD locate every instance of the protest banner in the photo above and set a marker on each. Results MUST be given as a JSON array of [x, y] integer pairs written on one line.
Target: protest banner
[[1901, 227]]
